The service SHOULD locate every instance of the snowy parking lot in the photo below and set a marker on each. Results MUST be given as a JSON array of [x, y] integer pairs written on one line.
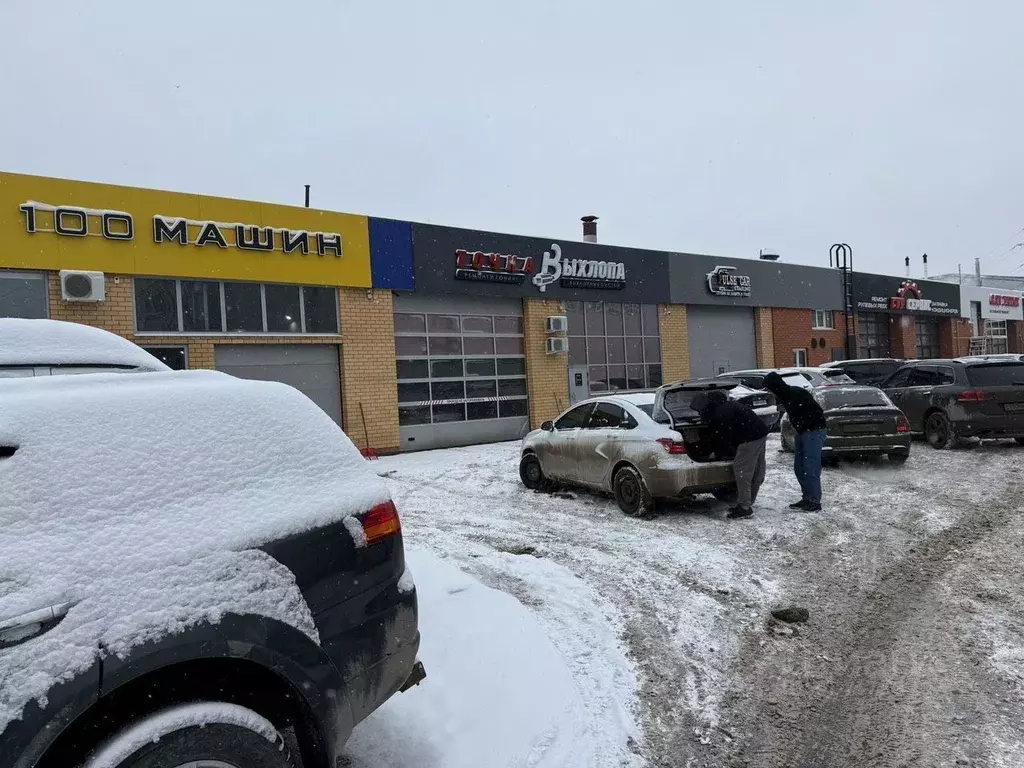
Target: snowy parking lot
[[558, 632]]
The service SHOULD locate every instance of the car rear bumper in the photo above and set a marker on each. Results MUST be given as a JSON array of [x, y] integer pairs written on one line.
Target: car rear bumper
[[863, 444], [694, 478], [983, 425]]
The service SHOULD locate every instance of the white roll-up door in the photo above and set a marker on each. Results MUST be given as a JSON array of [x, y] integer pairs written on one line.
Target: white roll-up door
[[721, 339]]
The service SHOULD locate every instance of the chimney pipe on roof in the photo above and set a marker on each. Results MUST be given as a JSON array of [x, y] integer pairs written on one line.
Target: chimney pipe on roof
[[589, 229], [906, 263], [924, 258], [977, 270]]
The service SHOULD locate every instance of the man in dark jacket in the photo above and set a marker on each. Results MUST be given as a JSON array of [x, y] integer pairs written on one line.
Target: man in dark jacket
[[808, 419], [737, 431]]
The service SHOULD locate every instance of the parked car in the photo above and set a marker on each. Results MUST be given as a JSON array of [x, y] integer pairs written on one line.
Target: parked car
[[868, 371], [861, 421], [50, 347], [196, 570], [614, 444], [948, 400], [807, 378], [1002, 357]]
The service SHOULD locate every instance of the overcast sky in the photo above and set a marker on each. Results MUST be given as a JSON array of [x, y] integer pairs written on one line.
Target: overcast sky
[[690, 126]]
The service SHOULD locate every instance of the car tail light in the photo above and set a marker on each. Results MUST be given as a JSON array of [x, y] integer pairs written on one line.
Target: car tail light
[[902, 425], [672, 446], [380, 522], [974, 396]]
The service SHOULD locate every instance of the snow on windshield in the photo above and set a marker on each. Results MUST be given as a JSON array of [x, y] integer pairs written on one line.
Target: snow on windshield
[[52, 342], [133, 497]]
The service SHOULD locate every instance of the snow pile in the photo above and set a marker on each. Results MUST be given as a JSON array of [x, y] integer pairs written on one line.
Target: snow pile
[[498, 693], [53, 342], [121, 485]]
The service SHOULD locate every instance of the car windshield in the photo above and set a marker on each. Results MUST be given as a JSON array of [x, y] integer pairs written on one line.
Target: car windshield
[[836, 376], [997, 375], [851, 398]]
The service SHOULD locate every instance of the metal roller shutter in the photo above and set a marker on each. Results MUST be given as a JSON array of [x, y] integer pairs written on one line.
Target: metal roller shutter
[[721, 339]]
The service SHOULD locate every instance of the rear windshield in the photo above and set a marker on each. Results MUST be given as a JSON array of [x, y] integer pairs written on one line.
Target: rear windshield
[[647, 408], [836, 374], [851, 398], [999, 375]]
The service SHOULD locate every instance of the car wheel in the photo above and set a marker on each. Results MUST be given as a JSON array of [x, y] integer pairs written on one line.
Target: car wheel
[[899, 458], [830, 461], [938, 431], [531, 474], [631, 493], [727, 494], [197, 734], [1019, 440]]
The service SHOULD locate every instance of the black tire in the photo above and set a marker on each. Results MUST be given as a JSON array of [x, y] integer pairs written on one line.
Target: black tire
[[220, 743], [729, 494], [1019, 440], [830, 461], [938, 431], [631, 493], [531, 474], [898, 458]]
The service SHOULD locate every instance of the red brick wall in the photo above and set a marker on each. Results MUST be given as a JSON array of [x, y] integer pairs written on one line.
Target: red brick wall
[[902, 336], [792, 330], [954, 337]]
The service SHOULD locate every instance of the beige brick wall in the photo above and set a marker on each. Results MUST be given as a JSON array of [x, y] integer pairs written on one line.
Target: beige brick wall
[[368, 368], [547, 376], [675, 342], [764, 337]]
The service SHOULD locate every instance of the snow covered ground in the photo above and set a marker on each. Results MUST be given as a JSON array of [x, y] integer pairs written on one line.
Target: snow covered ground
[[601, 640]]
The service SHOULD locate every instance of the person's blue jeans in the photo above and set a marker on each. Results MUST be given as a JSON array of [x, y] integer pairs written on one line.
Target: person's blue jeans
[[807, 463]]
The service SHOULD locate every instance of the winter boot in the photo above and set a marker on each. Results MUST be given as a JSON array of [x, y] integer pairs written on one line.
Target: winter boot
[[738, 512]]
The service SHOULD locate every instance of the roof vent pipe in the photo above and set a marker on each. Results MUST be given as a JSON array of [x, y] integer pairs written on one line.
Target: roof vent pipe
[[906, 262], [589, 229], [924, 258]]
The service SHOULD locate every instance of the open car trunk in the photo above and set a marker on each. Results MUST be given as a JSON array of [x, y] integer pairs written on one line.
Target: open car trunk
[[672, 407]]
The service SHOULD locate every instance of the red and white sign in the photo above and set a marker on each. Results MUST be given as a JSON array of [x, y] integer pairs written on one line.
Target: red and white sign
[[993, 303]]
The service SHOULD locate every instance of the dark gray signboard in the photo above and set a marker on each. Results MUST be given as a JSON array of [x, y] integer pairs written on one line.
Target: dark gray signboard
[[715, 280], [882, 293], [464, 261]]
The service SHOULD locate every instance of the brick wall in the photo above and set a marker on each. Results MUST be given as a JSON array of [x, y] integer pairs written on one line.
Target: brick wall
[[954, 337], [792, 329], [675, 342], [1015, 337], [547, 376], [764, 337], [902, 336], [368, 368]]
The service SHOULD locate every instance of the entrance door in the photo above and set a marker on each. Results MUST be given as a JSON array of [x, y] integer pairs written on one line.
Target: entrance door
[[312, 369], [579, 384]]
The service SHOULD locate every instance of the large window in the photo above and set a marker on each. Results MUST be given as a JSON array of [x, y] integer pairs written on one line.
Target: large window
[[176, 358], [210, 306], [455, 367], [873, 339], [995, 337], [22, 294], [619, 343], [927, 338], [823, 319]]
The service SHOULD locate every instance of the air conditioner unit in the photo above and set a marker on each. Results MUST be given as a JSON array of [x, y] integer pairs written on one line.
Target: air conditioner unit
[[558, 346], [82, 286], [558, 324]]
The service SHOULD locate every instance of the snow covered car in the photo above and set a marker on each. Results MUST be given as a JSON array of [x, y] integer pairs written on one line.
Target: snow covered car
[[614, 444], [195, 570], [807, 378], [31, 348], [861, 421]]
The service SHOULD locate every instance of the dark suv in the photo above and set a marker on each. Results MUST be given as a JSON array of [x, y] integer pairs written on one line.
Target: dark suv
[[946, 400], [195, 570]]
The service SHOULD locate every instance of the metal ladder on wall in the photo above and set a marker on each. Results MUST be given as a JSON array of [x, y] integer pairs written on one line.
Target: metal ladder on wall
[[843, 256], [979, 345]]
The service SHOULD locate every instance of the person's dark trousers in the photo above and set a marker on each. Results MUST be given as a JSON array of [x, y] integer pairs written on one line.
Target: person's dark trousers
[[807, 464], [749, 469]]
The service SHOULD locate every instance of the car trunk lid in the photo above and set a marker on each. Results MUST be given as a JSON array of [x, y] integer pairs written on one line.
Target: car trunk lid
[[846, 421], [997, 389], [672, 404]]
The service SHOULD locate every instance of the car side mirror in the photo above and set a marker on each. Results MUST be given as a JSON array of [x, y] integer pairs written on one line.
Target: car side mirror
[[548, 426]]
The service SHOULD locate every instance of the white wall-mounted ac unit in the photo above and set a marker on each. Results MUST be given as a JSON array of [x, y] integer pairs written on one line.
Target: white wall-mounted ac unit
[[76, 285], [557, 324], [558, 346]]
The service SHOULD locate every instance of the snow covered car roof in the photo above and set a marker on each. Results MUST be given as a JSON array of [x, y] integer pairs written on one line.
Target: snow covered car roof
[[53, 342], [139, 501]]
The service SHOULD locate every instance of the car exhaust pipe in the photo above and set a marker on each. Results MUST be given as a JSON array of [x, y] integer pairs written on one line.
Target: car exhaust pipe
[[416, 677]]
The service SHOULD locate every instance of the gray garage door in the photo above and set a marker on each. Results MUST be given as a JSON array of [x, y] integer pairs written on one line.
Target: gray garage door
[[311, 369], [721, 339]]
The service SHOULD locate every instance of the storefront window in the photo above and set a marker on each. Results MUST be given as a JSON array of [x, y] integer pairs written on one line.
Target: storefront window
[[459, 368], [22, 294], [619, 343], [209, 306], [873, 339], [927, 338]]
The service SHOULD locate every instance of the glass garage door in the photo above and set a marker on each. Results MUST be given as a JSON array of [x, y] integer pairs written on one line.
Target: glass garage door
[[461, 376]]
